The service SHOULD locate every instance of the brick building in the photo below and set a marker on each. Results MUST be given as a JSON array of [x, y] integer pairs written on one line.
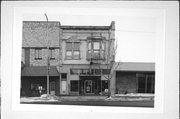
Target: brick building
[[37, 37], [78, 62], [135, 77]]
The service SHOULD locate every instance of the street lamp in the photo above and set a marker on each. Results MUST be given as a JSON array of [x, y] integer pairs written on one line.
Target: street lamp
[[48, 68]]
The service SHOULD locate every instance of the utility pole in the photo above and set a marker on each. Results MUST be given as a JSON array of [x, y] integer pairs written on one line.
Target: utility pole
[[48, 63]]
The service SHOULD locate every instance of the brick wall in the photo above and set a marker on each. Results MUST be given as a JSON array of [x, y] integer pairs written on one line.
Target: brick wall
[[40, 35], [126, 81], [43, 62], [37, 34]]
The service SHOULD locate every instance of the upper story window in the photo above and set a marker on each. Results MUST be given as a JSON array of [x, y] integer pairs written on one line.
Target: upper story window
[[38, 54], [96, 50], [72, 50], [52, 53]]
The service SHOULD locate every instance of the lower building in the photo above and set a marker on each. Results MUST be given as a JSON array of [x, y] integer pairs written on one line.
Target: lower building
[[135, 78]]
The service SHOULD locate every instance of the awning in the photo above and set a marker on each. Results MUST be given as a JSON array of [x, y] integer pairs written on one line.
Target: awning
[[39, 71], [135, 66]]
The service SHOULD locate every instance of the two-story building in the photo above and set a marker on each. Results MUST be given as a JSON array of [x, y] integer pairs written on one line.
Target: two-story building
[[77, 62], [39, 38], [86, 52]]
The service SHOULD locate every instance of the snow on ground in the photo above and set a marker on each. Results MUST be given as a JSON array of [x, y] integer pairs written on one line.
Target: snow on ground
[[136, 94], [117, 97]]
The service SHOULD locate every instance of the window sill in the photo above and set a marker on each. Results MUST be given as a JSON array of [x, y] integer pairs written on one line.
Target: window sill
[[72, 59], [38, 58]]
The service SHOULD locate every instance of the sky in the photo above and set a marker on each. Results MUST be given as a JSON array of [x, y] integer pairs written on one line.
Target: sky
[[135, 35]]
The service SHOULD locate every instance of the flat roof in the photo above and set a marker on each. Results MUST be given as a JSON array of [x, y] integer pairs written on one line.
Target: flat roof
[[64, 27], [71, 27], [135, 66]]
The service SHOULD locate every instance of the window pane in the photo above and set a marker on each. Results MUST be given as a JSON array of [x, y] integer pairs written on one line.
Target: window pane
[[96, 45], [38, 53], [104, 86], [96, 54], [102, 54], [76, 55], [150, 84], [76, 46], [68, 54], [141, 84], [102, 46], [89, 46], [52, 53], [74, 71], [74, 85], [96, 51], [106, 71], [97, 71], [63, 75], [68, 46], [52, 86]]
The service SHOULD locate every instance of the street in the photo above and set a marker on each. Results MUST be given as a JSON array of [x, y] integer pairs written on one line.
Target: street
[[100, 103]]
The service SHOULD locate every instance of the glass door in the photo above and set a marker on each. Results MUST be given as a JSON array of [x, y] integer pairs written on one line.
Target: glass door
[[88, 86]]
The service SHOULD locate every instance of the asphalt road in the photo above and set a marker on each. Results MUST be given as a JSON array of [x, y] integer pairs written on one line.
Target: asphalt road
[[100, 103]]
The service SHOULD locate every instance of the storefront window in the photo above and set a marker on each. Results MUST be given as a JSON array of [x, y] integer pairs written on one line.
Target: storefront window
[[145, 82], [73, 85]]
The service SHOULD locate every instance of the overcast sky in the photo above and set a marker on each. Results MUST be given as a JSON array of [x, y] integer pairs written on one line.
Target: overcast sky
[[135, 35]]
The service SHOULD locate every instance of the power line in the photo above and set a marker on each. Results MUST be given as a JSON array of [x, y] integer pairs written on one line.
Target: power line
[[134, 31]]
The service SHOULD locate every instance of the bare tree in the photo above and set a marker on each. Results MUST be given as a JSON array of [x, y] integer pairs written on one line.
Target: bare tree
[[110, 63]]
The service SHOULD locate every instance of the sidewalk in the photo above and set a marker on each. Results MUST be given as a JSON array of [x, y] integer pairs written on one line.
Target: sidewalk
[[117, 97]]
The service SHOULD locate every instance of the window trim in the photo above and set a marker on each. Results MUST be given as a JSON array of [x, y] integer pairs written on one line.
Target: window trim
[[72, 51], [101, 49]]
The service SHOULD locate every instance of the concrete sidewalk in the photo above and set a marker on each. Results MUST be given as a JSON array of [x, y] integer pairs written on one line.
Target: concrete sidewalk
[[127, 97]]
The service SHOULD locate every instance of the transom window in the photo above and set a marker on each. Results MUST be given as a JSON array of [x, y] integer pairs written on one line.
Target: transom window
[[72, 50], [38, 54]]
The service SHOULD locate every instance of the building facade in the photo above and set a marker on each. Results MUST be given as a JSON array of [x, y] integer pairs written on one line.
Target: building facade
[[77, 60], [38, 39]]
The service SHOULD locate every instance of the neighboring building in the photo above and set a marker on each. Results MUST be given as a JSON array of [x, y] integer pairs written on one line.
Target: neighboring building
[[37, 36], [80, 60], [134, 77]]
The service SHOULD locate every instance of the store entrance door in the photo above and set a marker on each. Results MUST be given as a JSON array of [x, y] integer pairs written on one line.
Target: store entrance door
[[88, 86]]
